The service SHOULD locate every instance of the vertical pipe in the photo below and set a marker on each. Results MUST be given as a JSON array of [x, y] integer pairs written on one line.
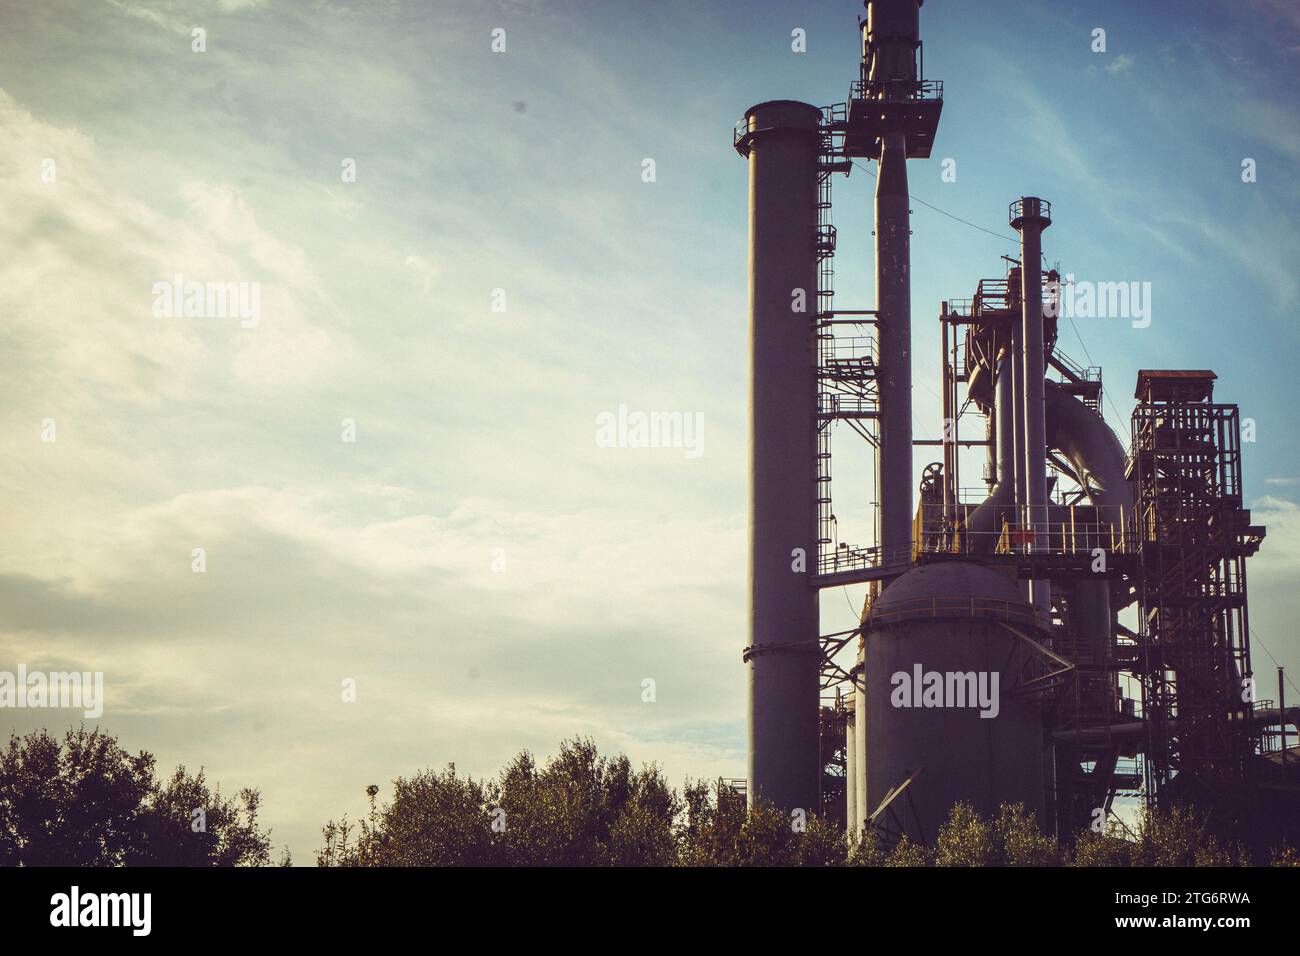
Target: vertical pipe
[[894, 328], [991, 449], [1031, 216], [850, 772], [984, 524], [954, 403], [1017, 370], [784, 654], [1281, 713], [948, 373], [1004, 400], [860, 736]]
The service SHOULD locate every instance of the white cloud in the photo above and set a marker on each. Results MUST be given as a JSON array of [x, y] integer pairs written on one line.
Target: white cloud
[[1279, 556], [1120, 64]]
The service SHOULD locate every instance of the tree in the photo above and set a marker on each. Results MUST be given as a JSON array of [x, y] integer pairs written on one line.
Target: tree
[[84, 801], [1180, 836], [712, 825], [966, 839], [907, 852], [186, 824], [822, 844], [867, 849], [583, 809], [1018, 840], [79, 806], [580, 809]]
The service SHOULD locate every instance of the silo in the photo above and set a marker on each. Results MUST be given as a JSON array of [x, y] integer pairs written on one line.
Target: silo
[[938, 655]]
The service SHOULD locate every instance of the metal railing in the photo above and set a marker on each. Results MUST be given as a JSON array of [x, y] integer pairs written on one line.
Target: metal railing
[[847, 557], [1088, 373], [835, 405], [835, 113], [913, 90], [948, 607], [850, 350], [1083, 530], [1040, 207]]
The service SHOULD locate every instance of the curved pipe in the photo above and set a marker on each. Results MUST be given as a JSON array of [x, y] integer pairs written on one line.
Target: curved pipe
[[983, 522], [1078, 433], [1092, 449]]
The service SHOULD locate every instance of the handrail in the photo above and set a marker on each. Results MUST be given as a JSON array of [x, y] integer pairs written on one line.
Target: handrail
[[1110, 529], [913, 89], [952, 606]]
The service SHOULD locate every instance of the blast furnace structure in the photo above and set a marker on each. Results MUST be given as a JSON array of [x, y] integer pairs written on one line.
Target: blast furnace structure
[[990, 664]]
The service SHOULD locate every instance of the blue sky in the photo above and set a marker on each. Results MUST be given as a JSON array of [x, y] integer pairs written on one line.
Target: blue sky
[[374, 560]]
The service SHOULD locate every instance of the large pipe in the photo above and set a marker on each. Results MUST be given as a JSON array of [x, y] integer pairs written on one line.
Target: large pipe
[[1095, 453], [1092, 449], [993, 448], [1018, 400], [894, 329], [984, 523], [891, 32], [782, 141], [1031, 216]]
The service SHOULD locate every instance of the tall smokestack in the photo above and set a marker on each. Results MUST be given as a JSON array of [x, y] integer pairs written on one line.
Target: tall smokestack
[[781, 142], [1031, 215], [890, 40]]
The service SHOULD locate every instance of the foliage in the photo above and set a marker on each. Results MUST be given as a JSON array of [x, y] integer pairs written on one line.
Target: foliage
[[1286, 856], [84, 801], [1018, 840], [966, 839], [582, 809]]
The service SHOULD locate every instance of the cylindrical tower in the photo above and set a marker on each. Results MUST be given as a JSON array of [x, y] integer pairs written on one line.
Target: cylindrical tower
[[781, 142], [891, 34], [894, 332], [937, 701], [1031, 216], [889, 81]]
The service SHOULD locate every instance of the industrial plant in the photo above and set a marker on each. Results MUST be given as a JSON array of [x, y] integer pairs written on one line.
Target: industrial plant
[[992, 663]]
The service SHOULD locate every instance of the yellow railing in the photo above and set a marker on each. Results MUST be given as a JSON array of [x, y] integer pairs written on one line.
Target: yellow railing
[[1083, 530]]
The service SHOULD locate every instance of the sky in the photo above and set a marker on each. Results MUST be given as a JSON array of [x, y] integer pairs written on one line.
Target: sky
[[393, 470]]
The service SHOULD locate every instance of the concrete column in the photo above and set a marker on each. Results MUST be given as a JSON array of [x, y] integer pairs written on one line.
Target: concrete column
[[784, 656]]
